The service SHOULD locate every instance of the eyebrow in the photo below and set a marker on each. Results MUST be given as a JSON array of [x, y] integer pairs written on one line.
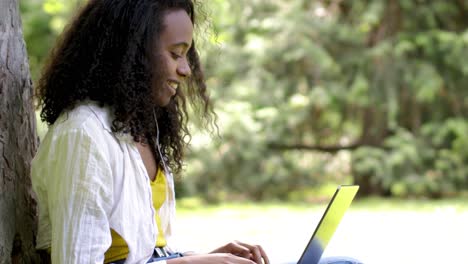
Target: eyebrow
[[182, 43]]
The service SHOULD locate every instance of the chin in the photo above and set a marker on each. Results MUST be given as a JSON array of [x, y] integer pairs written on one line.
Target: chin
[[163, 102]]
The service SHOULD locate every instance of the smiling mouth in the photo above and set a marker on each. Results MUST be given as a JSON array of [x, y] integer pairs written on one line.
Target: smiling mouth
[[173, 84]]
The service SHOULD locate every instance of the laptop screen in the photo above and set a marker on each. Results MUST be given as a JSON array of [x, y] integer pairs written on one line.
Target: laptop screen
[[335, 211]]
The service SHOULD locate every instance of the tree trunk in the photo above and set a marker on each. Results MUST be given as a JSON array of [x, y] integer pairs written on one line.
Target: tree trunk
[[18, 142]]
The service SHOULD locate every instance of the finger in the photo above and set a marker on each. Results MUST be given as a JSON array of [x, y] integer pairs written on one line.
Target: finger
[[238, 249], [257, 253], [233, 248], [264, 255], [241, 260]]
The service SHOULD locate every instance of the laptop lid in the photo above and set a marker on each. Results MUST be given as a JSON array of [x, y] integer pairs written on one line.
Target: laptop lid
[[325, 229]]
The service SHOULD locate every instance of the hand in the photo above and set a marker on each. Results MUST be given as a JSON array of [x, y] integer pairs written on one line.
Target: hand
[[212, 258], [252, 252]]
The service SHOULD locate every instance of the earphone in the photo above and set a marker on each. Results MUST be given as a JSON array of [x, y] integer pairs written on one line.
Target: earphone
[[157, 142]]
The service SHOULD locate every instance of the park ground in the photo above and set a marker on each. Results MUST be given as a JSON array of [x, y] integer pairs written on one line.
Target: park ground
[[374, 230]]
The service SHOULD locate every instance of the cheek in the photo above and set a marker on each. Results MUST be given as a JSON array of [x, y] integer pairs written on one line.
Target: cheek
[[163, 64], [170, 66], [170, 63]]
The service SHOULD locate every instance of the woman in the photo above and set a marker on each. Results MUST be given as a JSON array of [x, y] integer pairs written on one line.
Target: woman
[[114, 94]]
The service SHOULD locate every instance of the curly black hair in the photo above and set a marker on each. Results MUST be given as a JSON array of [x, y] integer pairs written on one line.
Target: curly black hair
[[104, 55]]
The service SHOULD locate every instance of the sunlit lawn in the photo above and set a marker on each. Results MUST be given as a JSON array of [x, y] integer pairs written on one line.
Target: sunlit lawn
[[373, 230]]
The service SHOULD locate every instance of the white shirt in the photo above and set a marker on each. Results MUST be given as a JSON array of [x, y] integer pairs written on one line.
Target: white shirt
[[89, 180]]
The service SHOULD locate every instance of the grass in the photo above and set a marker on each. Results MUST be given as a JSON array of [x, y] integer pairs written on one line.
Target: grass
[[376, 204], [413, 205], [374, 230]]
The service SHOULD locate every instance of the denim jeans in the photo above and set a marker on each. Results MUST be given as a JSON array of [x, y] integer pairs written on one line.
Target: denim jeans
[[154, 258], [336, 260], [339, 260]]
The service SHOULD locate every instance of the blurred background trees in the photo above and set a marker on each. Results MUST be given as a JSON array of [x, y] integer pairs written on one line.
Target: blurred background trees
[[309, 93]]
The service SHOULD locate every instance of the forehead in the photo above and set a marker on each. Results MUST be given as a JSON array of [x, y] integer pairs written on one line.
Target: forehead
[[178, 27]]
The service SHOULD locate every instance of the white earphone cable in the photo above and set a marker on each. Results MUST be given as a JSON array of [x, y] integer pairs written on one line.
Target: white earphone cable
[[157, 143]]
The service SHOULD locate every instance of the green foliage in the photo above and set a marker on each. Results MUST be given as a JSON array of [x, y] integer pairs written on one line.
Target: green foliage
[[313, 73], [42, 21], [434, 164], [37, 33], [230, 167]]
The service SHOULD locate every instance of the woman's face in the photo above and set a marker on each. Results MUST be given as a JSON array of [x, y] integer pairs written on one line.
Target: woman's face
[[174, 43]]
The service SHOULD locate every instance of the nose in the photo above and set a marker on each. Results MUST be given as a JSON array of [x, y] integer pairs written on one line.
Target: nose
[[183, 68]]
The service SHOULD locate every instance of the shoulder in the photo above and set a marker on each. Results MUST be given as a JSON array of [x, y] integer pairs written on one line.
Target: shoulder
[[81, 135], [87, 117], [86, 128]]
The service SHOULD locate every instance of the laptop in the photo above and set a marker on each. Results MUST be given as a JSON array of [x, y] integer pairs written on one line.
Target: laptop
[[325, 229]]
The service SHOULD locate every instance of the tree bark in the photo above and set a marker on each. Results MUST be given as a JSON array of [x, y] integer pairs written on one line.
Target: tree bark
[[18, 142]]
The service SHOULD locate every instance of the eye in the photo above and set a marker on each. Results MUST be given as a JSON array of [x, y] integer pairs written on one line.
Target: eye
[[176, 55]]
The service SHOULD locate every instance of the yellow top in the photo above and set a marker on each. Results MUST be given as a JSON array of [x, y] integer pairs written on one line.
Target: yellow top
[[119, 249]]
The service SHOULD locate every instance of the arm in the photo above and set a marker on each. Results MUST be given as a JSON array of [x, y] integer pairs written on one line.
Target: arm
[[212, 258], [80, 199], [234, 252]]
